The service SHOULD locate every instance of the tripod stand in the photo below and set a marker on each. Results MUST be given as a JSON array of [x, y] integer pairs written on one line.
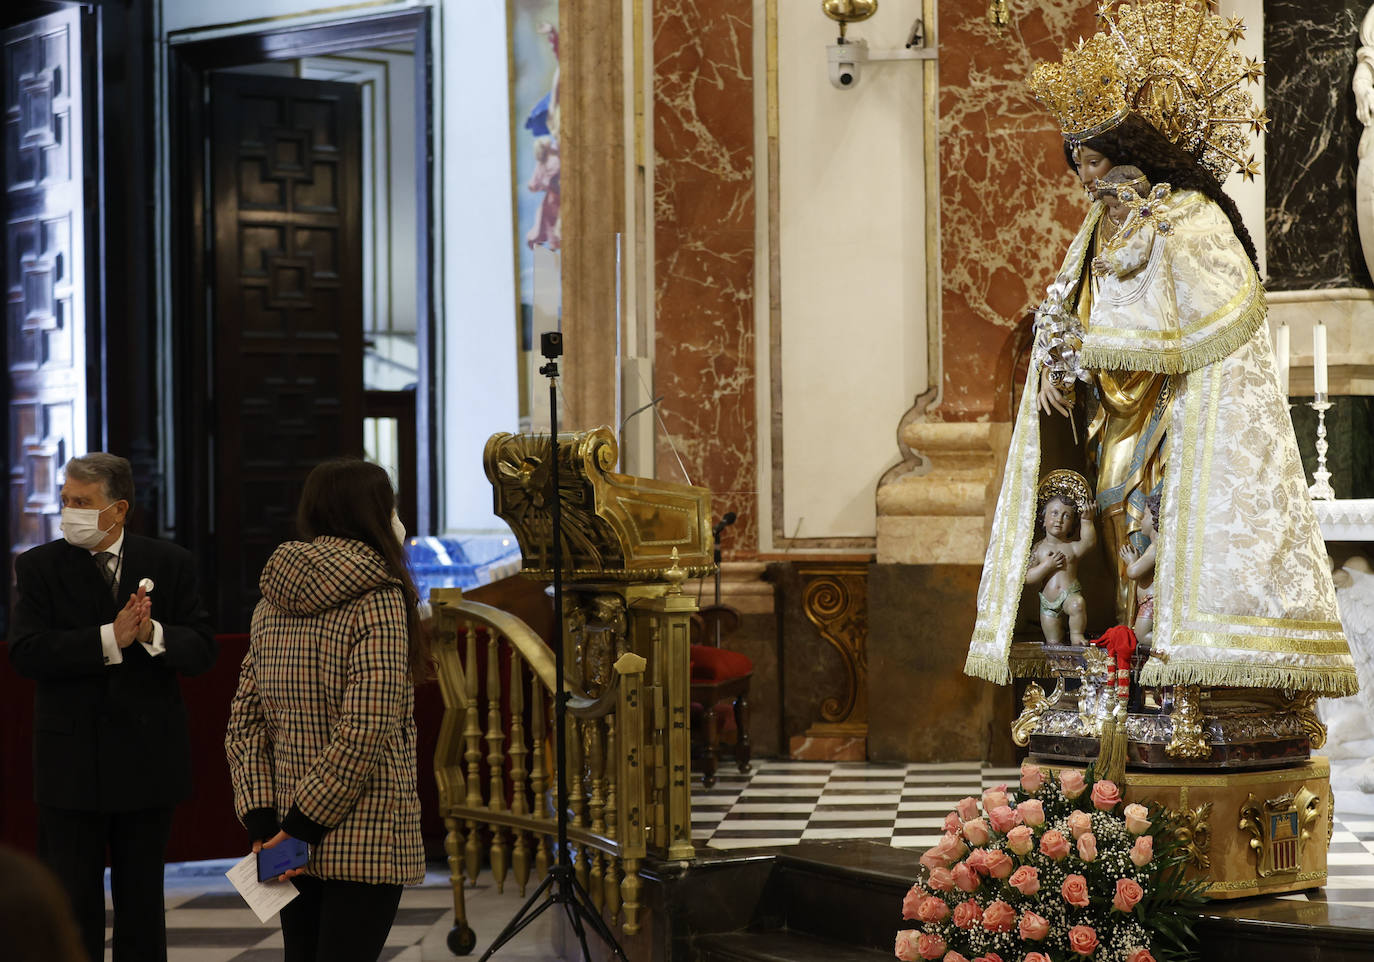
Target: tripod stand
[[560, 885]]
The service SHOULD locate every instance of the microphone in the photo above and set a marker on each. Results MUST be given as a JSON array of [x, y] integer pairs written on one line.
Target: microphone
[[725, 521]]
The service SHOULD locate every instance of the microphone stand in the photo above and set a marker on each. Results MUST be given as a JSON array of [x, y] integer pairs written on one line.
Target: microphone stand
[[560, 883]]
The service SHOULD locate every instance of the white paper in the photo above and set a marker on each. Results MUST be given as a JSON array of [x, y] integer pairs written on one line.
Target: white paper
[[264, 898]]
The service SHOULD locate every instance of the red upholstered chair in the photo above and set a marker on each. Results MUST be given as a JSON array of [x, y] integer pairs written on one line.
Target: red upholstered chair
[[719, 677]]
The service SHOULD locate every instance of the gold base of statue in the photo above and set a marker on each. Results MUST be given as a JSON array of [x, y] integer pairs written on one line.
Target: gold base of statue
[[1247, 832]]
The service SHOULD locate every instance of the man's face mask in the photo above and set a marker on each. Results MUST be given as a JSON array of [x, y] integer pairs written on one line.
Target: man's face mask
[[82, 526]]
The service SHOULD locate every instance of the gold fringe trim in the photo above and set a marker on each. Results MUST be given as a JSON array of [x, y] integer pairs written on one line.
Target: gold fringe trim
[[1168, 359], [1326, 682], [988, 668]]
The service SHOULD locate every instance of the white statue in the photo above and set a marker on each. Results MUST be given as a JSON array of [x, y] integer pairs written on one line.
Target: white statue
[[1363, 85], [1350, 720]]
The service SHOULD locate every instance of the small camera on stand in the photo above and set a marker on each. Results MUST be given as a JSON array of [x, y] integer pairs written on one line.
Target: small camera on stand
[[551, 344]]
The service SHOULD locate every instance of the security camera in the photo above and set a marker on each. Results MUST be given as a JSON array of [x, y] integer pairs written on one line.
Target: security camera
[[845, 58]]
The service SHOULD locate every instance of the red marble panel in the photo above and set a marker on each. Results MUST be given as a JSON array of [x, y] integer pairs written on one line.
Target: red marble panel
[[705, 253], [1008, 204]]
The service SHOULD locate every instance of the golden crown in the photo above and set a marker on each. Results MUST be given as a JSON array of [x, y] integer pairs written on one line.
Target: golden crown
[[1085, 91], [1177, 69]]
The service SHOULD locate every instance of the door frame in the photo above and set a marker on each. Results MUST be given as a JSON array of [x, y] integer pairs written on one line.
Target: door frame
[[191, 258]]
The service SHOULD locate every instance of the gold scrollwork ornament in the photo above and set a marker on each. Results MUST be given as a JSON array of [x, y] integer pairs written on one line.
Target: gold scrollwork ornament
[[1194, 831], [1189, 740], [1034, 704]]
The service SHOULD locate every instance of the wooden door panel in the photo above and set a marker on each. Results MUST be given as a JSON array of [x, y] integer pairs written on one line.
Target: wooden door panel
[[288, 308], [45, 269]]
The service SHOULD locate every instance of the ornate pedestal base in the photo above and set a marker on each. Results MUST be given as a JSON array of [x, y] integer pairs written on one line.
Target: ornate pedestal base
[[1249, 832]]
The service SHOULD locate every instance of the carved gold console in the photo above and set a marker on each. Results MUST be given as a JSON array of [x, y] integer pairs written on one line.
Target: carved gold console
[[835, 600]]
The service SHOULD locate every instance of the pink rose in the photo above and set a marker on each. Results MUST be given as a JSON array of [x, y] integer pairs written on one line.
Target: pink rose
[[965, 878], [1032, 812], [906, 945], [976, 831], [1036, 957], [1080, 822], [941, 879], [1031, 777], [1143, 850], [967, 808], [1071, 783], [1075, 891], [1137, 818], [932, 946], [932, 909], [1000, 864], [1033, 927], [1054, 844], [1003, 819], [910, 900], [1082, 939], [999, 917], [1025, 880], [1140, 955], [990, 957], [1128, 895], [953, 823], [1087, 846], [952, 956], [995, 798], [968, 914], [944, 852], [1021, 840], [1106, 796], [978, 861]]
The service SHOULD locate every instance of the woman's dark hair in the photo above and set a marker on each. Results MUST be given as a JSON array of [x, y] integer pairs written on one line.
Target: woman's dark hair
[[1136, 141], [349, 498], [36, 921]]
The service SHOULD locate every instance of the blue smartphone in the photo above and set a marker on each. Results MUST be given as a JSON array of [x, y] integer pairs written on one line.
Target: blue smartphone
[[274, 861]]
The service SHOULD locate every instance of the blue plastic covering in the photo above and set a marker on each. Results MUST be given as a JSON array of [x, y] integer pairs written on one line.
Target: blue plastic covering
[[463, 561]]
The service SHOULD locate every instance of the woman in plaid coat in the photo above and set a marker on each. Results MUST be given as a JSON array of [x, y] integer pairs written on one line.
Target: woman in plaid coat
[[321, 736]]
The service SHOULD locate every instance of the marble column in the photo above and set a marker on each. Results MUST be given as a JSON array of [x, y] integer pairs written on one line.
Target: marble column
[[1311, 232], [705, 250], [592, 129]]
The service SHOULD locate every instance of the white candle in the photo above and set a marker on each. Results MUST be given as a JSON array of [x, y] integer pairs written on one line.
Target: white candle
[[1281, 349], [1319, 358]]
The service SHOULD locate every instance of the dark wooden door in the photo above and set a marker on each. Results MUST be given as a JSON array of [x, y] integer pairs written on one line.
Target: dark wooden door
[[51, 413], [287, 319]]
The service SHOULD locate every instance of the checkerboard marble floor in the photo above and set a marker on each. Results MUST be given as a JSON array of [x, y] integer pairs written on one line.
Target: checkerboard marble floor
[[779, 803]]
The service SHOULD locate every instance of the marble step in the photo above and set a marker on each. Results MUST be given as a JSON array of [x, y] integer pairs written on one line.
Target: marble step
[[779, 946]]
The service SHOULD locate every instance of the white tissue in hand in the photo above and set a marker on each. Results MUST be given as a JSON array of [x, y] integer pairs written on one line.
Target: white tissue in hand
[[147, 585]]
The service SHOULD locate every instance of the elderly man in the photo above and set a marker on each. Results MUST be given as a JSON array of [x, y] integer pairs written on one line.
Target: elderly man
[[105, 622]]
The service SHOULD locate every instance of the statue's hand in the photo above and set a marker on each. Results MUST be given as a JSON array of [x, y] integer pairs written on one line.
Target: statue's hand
[[1050, 397], [1128, 553], [1058, 560]]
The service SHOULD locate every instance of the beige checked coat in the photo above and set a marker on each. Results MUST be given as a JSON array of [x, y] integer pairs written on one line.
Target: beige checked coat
[[323, 717]]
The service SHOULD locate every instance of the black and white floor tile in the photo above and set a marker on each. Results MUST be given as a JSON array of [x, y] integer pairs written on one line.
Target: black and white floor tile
[[778, 803]]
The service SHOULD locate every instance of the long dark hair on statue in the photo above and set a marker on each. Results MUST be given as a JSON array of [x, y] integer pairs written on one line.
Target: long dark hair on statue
[[353, 499], [1136, 141]]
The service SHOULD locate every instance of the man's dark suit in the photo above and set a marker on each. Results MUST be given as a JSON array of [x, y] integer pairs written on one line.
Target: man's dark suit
[[111, 750]]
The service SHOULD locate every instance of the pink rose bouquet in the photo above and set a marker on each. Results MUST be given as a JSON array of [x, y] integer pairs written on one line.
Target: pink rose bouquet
[[1057, 869]]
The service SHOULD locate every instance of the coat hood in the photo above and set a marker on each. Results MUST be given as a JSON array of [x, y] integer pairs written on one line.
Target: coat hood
[[305, 578]]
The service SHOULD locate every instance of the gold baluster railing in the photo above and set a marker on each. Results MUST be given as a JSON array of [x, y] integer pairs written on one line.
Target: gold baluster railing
[[609, 741]]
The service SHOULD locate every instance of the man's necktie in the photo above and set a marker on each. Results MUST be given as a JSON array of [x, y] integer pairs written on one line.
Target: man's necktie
[[108, 560]]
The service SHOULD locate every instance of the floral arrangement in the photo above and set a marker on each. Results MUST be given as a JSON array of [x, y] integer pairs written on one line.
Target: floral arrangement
[[1060, 871]]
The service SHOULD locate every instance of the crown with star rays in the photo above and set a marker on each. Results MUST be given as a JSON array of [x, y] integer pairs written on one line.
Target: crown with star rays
[[1173, 62]]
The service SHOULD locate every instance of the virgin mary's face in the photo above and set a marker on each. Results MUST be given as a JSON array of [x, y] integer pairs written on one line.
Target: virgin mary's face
[[1090, 165]]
